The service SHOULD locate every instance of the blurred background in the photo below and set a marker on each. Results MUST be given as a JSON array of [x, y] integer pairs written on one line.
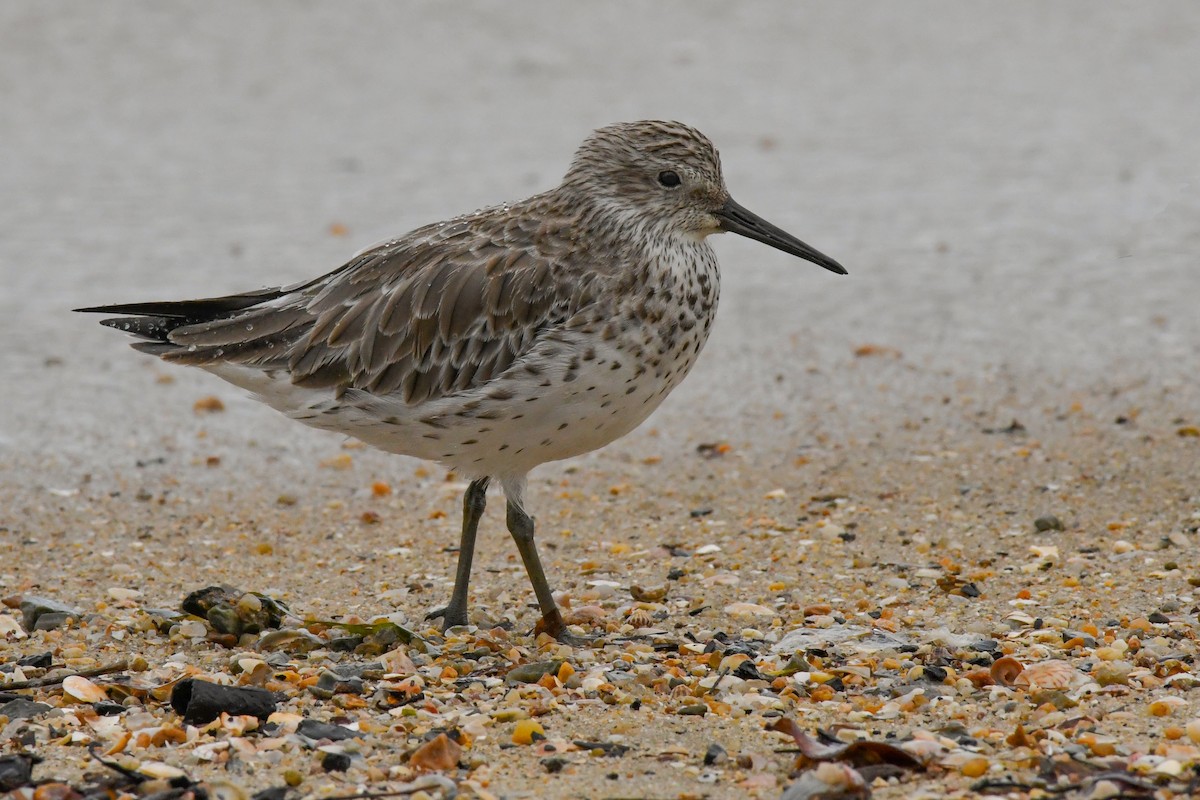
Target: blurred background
[[1013, 188]]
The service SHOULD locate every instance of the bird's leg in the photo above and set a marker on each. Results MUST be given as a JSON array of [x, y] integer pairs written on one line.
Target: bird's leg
[[474, 502], [520, 525]]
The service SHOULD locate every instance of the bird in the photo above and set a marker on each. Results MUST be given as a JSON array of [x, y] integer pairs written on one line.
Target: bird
[[499, 340]]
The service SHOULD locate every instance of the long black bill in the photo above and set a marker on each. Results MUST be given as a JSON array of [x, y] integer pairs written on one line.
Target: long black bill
[[737, 219]]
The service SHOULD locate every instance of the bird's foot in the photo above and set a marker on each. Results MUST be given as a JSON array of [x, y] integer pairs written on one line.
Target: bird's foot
[[554, 625], [452, 616]]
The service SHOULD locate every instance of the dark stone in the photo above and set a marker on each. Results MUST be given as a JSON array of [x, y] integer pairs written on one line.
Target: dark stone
[[23, 709], [200, 702], [41, 660], [345, 644], [33, 608], [1158, 618], [16, 771], [335, 762], [331, 683], [106, 709], [368, 669], [748, 672], [554, 764], [715, 754], [52, 620], [316, 730], [935, 674]]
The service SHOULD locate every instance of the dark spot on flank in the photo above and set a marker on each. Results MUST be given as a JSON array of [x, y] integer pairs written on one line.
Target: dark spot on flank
[[631, 390], [503, 447], [560, 427], [433, 422], [547, 442], [470, 441], [500, 394], [437, 437], [533, 369]]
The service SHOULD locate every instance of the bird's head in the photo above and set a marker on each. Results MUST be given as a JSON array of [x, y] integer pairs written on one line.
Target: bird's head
[[669, 174]]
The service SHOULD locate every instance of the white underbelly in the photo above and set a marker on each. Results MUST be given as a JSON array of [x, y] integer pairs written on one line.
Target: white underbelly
[[505, 427]]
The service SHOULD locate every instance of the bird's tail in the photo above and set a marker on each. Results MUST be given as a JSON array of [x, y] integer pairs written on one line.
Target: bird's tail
[[153, 323]]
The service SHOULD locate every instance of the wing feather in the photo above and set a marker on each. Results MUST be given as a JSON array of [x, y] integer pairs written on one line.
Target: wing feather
[[442, 310]]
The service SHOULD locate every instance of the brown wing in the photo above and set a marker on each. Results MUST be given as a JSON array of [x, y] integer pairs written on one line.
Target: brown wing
[[445, 309]]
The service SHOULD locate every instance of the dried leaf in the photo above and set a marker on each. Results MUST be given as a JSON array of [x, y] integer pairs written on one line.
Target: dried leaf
[[860, 753]]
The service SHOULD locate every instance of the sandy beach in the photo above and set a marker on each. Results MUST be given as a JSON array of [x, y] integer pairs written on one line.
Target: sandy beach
[[861, 459]]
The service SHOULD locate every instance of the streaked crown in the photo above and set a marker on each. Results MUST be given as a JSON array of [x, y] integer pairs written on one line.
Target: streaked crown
[[663, 171]]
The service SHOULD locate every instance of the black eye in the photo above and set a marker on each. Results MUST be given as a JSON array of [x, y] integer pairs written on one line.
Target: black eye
[[668, 178]]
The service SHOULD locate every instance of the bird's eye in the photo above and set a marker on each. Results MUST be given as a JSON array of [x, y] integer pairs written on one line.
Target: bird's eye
[[669, 178]]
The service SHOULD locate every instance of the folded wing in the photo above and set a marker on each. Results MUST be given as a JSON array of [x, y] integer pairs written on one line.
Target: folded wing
[[442, 310]]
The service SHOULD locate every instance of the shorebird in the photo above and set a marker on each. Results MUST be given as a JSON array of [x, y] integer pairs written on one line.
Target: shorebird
[[496, 341]]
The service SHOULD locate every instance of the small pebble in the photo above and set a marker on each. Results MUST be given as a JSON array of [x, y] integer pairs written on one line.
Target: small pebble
[[1049, 522], [335, 762], [715, 754]]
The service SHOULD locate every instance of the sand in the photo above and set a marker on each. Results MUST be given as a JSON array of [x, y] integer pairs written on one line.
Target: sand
[[1012, 188]]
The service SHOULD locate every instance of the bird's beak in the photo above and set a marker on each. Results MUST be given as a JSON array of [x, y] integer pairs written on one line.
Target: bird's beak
[[736, 219]]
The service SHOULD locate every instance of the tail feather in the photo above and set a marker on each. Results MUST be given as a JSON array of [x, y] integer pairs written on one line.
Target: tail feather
[[209, 330], [192, 310], [154, 329]]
